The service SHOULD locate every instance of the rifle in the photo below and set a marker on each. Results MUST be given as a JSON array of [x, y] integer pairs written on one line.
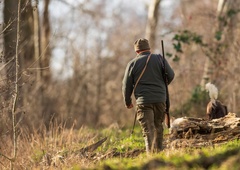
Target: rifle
[[167, 117]]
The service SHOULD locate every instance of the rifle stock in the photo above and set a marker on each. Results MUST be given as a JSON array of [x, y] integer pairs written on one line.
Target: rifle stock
[[167, 116]]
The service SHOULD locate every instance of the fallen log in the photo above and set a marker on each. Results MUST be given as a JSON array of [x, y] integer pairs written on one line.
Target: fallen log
[[199, 132], [89, 149]]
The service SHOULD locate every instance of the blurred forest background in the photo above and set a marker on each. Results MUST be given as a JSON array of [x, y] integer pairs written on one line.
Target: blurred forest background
[[67, 64]]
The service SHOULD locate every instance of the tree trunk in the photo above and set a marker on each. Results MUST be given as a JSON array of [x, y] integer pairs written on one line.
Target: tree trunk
[[212, 65], [152, 22], [10, 25], [47, 107], [39, 101], [46, 48], [25, 42]]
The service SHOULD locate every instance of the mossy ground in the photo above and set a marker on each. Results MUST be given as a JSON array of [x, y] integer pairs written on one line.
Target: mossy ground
[[66, 149]]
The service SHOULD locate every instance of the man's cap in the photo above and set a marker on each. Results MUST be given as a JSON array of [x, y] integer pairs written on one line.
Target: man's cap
[[141, 44]]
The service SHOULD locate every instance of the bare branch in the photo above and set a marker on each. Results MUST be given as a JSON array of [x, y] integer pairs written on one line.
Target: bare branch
[[16, 88], [5, 156]]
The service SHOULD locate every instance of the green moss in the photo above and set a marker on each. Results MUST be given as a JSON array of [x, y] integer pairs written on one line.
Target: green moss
[[185, 158], [212, 157], [37, 155], [124, 163]]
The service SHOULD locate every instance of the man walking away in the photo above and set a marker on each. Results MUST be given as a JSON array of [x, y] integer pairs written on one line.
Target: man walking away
[[144, 77]]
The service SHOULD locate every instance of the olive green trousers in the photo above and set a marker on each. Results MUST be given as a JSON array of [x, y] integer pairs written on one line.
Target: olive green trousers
[[151, 117]]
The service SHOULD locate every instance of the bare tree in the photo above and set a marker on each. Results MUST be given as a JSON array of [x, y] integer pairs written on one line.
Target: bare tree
[[14, 107], [45, 46], [12, 159], [34, 58], [10, 24], [25, 45], [216, 52], [45, 56], [153, 12]]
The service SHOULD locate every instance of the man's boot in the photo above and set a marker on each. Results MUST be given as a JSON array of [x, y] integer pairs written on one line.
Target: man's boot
[[150, 139]]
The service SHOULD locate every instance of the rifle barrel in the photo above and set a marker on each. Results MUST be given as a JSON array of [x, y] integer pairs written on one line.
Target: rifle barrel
[[166, 84]]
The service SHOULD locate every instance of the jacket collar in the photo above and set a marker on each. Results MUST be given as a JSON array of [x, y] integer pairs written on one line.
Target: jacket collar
[[144, 53]]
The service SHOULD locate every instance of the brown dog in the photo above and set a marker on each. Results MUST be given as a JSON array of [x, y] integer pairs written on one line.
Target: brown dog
[[215, 109]]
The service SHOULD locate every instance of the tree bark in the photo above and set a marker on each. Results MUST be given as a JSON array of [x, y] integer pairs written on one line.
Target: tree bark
[[10, 26], [153, 11], [46, 48], [37, 42], [14, 107]]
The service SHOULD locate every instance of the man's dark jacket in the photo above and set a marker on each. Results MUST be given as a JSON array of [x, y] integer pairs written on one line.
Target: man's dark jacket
[[151, 87]]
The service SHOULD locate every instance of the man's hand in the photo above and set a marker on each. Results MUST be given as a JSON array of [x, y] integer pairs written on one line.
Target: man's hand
[[129, 106]]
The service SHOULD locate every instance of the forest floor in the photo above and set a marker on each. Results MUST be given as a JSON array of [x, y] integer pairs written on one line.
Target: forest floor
[[192, 135], [191, 144]]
